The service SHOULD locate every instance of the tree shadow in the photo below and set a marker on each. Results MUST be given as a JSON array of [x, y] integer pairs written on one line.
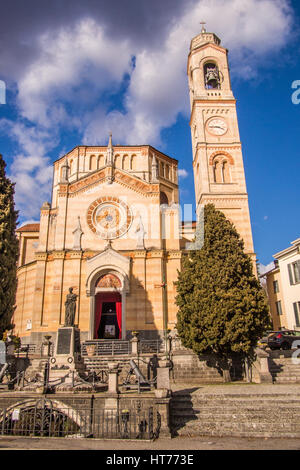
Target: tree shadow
[[139, 311], [230, 368], [182, 409]]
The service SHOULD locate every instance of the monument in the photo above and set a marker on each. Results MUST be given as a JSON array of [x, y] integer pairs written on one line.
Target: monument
[[67, 353]]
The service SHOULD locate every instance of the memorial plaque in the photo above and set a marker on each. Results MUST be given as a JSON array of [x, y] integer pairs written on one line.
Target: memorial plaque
[[2, 352], [64, 341]]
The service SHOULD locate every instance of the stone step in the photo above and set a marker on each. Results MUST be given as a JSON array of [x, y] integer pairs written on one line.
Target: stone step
[[234, 425], [236, 409], [221, 401], [236, 416], [237, 433], [288, 368]]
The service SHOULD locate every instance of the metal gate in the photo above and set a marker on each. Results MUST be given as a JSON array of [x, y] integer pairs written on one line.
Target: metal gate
[[45, 419]]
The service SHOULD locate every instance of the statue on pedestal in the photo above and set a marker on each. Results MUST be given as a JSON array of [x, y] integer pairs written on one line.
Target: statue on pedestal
[[70, 305]]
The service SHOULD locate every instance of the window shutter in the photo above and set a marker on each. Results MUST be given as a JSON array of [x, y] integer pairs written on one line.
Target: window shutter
[[290, 274], [297, 271], [295, 304], [278, 307]]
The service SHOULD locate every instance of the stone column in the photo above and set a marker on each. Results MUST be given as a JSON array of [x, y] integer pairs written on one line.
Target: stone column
[[135, 344], [113, 373], [163, 378], [163, 408]]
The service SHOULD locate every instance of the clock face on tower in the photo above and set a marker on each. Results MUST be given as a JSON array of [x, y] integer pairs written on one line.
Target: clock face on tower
[[217, 126], [109, 217]]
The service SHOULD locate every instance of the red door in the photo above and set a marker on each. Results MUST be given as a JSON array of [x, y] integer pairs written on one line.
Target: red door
[[108, 316]]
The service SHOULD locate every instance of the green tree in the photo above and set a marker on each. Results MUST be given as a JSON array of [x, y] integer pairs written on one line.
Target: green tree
[[8, 250], [222, 307]]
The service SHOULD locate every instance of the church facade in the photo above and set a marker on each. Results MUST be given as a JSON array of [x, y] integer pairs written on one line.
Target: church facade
[[112, 234]]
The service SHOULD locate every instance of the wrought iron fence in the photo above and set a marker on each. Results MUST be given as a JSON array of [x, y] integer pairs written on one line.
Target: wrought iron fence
[[106, 348], [154, 346], [28, 349], [44, 418]]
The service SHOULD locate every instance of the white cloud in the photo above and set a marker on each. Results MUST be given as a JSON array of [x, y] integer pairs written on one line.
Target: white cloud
[[264, 269], [182, 173], [76, 55], [31, 169], [158, 88]]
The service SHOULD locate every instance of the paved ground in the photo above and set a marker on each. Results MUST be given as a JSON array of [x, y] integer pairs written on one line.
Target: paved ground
[[201, 443]]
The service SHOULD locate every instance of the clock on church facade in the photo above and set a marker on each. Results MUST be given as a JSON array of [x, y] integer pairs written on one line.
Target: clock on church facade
[[109, 217]]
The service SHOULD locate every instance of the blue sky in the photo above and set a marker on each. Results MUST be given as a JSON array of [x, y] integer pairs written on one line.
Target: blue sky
[[76, 70]]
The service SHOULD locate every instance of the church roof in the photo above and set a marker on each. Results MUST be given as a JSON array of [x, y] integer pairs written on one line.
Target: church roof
[[29, 228]]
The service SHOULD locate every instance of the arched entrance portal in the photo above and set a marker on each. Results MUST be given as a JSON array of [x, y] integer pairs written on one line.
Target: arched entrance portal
[[108, 307], [107, 283], [108, 316]]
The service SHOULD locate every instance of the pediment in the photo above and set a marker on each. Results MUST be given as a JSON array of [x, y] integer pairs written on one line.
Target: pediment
[[91, 182], [108, 261]]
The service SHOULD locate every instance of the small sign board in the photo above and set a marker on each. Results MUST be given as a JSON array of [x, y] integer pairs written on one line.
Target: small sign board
[[15, 415], [2, 352]]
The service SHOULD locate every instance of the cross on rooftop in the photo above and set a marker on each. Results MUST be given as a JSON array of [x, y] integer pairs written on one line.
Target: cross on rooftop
[[203, 27]]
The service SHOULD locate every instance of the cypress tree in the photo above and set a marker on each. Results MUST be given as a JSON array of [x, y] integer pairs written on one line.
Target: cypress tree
[[222, 307], [9, 249]]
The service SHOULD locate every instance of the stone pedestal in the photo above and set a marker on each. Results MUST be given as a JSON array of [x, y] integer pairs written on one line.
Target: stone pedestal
[[163, 378], [260, 368], [113, 374], [163, 408], [134, 346], [67, 357]]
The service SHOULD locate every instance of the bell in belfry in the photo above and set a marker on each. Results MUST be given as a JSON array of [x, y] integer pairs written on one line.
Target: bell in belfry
[[212, 77]]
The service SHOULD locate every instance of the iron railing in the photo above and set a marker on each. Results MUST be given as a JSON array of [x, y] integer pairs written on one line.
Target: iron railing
[[106, 348], [27, 349], [154, 346], [44, 419]]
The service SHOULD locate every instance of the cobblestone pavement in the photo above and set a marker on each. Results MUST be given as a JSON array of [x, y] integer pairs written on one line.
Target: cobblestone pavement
[[176, 444]]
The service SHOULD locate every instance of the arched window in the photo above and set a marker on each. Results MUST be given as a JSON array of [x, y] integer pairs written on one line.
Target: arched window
[[164, 198], [211, 76], [101, 161], [221, 171], [225, 172], [118, 161], [133, 162], [93, 162], [217, 172], [125, 162]]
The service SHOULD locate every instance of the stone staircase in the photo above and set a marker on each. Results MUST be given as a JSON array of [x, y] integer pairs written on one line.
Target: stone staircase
[[236, 414], [283, 368]]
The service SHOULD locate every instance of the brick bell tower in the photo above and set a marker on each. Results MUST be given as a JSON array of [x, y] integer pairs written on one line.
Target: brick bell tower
[[217, 151]]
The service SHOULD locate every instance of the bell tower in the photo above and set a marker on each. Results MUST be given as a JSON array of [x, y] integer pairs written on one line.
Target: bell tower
[[217, 151]]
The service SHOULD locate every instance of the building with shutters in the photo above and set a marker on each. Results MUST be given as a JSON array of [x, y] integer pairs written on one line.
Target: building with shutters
[[283, 288]]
